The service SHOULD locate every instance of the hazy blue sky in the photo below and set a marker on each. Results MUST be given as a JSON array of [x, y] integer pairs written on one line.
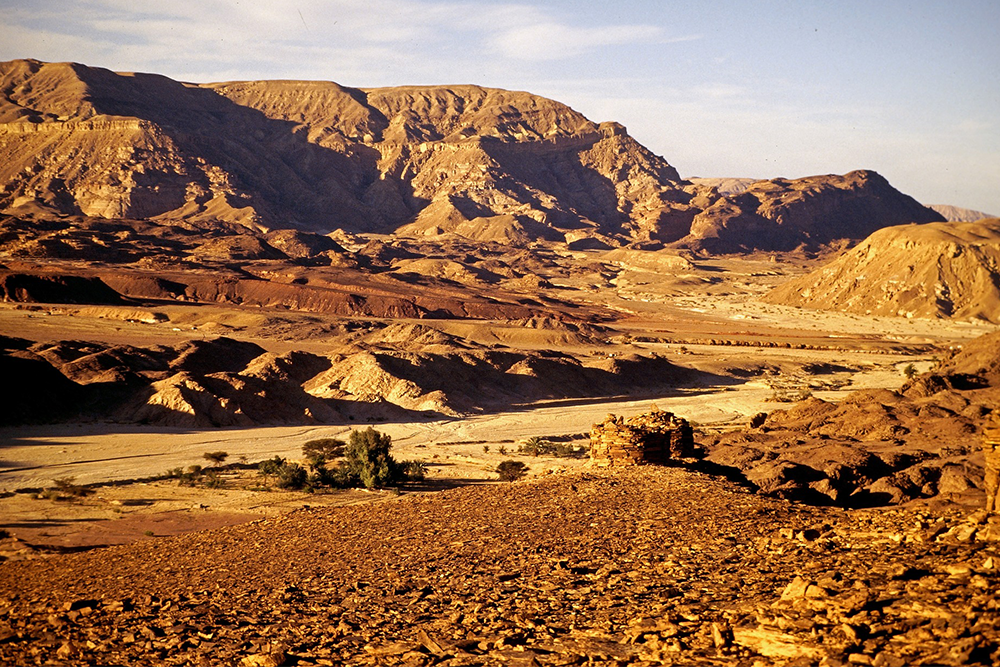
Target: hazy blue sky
[[728, 88]]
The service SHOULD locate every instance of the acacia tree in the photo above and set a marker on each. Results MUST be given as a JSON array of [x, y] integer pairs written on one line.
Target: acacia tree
[[216, 457]]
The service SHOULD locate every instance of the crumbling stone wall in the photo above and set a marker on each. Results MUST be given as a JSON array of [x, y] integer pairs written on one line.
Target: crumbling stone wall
[[991, 449], [654, 437]]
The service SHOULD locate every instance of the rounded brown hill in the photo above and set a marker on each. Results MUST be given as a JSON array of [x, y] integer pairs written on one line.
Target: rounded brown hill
[[947, 270]]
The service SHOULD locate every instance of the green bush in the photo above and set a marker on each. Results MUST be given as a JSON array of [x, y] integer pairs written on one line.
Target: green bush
[[511, 471], [291, 476], [270, 467], [368, 459], [536, 446], [414, 471], [213, 480]]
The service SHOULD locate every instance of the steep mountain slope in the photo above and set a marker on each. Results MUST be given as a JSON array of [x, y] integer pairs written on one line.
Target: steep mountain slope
[[312, 154], [937, 270], [432, 161]]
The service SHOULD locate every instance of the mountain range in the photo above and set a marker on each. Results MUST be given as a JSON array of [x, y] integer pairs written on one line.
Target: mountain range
[[430, 161]]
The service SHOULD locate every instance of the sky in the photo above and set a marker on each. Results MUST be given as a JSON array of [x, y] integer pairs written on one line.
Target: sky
[[752, 88]]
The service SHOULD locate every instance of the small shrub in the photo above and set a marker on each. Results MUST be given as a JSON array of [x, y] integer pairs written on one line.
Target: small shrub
[[192, 475], [270, 467], [213, 480], [502, 450], [286, 475], [67, 486], [909, 371], [533, 446], [486, 449], [341, 477], [414, 471], [511, 471], [291, 476]]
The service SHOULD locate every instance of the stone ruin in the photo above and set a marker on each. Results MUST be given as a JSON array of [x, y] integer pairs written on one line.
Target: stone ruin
[[654, 437], [991, 450]]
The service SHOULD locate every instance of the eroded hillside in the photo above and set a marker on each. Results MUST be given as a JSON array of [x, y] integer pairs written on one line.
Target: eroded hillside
[[945, 270]]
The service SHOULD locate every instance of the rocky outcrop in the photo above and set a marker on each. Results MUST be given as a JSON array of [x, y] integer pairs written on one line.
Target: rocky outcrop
[[396, 371], [44, 288], [876, 446], [314, 154], [782, 214], [943, 270], [654, 437], [991, 452]]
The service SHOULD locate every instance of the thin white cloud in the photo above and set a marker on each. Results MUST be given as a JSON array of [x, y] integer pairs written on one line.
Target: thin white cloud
[[202, 37], [549, 40]]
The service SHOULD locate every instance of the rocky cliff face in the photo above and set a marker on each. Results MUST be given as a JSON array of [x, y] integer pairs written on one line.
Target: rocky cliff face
[[482, 163], [937, 270]]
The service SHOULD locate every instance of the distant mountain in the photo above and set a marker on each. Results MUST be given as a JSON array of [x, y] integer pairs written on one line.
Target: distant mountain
[[726, 186], [958, 214], [946, 269], [480, 163]]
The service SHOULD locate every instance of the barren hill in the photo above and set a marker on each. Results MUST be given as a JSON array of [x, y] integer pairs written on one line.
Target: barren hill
[[935, 270], [429, 161]]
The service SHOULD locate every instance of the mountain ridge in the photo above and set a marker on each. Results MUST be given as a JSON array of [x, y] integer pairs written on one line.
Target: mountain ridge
[[429, 161]]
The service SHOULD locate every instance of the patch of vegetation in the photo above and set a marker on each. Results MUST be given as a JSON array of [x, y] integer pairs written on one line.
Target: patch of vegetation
[[536, 446], [364, 460], [909, 371], [291, 476], [511, 471], [414, 471], [213, 480], [66, 486]]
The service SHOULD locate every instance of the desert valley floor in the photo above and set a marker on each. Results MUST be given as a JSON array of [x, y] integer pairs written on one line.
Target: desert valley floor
[[573, 565]]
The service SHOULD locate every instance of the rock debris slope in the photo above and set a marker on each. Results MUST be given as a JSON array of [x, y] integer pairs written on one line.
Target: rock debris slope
[[649, 566], [429, 161], [875, 446], [944, 270]]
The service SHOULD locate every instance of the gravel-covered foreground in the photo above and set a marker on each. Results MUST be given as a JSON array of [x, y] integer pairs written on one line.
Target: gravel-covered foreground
[[644, 566]]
